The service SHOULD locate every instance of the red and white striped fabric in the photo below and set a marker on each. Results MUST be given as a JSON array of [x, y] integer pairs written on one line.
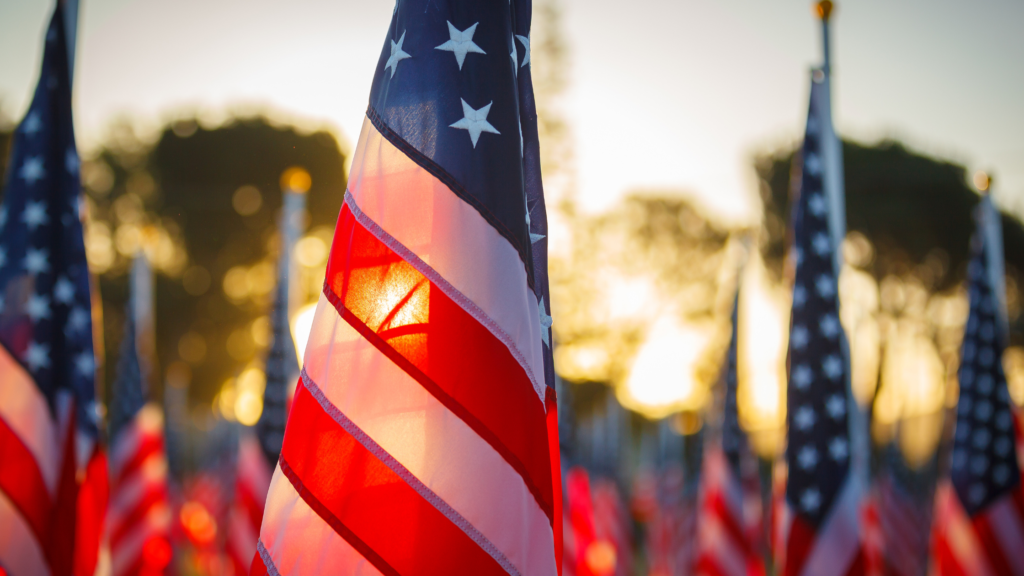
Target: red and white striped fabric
[[991, 544], [35, 474], [612, 523], [597, 542], [672, 531], [382, 428], [727, 538], [139, 517], [246, 513], [896, 529]]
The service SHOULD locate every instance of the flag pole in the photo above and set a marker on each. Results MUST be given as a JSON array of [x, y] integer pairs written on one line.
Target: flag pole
[[71, 33]]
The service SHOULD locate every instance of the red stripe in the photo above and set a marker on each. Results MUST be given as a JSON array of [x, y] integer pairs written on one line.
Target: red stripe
[[798, 546], [551, 402], [92, 508], [944, 560], [21, 480], [61, 535], [155, 494], [151, 444], [368, 504], [716, 500], [448, 351], [993, 550], [249, 503], [257, 568]]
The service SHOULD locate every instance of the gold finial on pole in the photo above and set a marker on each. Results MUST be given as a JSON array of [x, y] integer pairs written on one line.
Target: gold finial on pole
[[823, 9], [982, 181]]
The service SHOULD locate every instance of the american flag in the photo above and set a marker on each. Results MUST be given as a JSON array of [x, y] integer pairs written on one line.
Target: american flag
[[597, 534], [245, 514], [672, 531], [821, 533], [47, 366], [422, 437], [139, 518], [898, 517], [728, 536], [985, 472]]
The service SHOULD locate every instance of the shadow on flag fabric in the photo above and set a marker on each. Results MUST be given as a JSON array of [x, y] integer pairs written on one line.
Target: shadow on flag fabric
[[48, 413], [139, 518], [985, 471], [729, 534], [422, 438], [821, 526]]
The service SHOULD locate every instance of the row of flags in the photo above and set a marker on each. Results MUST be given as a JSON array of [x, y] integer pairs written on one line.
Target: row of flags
[[421, 435]]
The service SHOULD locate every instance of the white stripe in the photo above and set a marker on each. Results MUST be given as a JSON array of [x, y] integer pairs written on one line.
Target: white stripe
[[433, 444], [958, 532], [147, 424], [296, 541], [1007, 529], [126, 496], [126, 553], [25, 410], [451, 238], [19, 551], [242, 536], [406, 476], [838, 539]]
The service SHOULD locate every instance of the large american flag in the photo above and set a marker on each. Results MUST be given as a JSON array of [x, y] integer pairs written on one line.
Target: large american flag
[[47, 367], [822, 495], [728, 533], [139, 520], [422, 437], [985, 472]]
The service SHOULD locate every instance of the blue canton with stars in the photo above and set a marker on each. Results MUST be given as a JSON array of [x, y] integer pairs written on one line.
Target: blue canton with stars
[[453, 90], [45, 310], [818, 449], [984, 463]]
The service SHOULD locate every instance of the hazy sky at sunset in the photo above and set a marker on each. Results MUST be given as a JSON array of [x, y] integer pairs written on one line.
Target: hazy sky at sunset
[[666, 94]]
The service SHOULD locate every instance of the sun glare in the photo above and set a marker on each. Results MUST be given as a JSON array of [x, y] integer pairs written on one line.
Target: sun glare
[[663, 377], [302, 323]]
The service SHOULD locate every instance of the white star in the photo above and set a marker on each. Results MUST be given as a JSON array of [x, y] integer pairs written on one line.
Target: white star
[[802, 377], [545, 324], [1003, 445], [838, 449], [85, 364], [985, 357], [71, 162], [804, 418], [836, 406], [799, 296], [983, 410], [1001, 474], [808, 457], [821, 244], [987, 331], [34, 214], [825, 286], [397, 55], [475, 121], [461, 43], [32, 124], [829, 326], [832, 367], [810, 500], [64, 291], [1004, 420], [37, 307], [534, 238], [37, 356], [78, 319], [813, 164], [979, 464], [985, 383], [32, 170], [981, 438], [37, 261], [817, 204], [526, 44], [977, 493], [798, 339], [514, 55]]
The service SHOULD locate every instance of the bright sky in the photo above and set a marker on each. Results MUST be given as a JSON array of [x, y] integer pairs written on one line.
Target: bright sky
[[666, 94]]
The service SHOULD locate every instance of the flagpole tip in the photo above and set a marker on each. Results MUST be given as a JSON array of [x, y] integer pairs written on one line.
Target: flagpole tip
[[824, 9], [982, 181]]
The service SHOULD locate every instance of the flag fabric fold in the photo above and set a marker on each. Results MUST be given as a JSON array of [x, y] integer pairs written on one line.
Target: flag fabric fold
[[420, 435], [48, 414]]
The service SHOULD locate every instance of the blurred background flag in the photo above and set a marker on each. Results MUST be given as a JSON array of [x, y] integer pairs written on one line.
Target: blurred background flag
[[984, 468], [428, 366], [729, 544], [48, 413], [823, 492], [898, 517], [139, 519]]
